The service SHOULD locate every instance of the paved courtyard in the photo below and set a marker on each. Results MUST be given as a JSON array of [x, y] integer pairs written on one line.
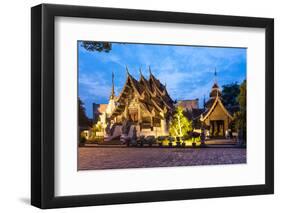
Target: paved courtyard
[[132, 157]]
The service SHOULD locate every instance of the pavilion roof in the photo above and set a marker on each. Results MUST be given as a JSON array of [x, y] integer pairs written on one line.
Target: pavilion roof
[[211, 104], [150, 92]]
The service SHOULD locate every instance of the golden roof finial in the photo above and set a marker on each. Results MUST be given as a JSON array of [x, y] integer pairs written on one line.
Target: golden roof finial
[[149, 70], [112, 89], [140, 71], [127, 71], [215, 75]]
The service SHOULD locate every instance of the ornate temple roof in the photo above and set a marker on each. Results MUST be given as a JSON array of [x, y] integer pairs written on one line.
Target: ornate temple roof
[[151, 94], [216, 101], [215, 91], [215, 98]]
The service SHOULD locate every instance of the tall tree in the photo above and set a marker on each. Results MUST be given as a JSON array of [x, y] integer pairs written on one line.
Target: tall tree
[[180, 125], [230, 93], [97, 46], [241, 115], [82, 117]]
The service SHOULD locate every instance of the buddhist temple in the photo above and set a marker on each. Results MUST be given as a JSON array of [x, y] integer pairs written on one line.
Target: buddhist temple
[[216, 117], [145, 104]]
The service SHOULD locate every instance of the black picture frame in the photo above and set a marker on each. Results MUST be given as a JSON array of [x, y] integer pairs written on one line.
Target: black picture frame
[[43, 102]]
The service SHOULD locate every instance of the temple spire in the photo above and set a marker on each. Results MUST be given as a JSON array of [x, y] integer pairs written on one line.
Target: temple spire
[[215, 74], [204, 102], [140, 72], [127, 71], [149, 70], [112, 89], [215, 92]]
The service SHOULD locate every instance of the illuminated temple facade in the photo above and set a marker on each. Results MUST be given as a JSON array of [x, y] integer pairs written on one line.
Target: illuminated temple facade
[[215, 116], [143, 104]]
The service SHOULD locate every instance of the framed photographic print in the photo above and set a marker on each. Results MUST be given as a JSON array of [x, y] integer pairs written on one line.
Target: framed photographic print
[[139, 106]]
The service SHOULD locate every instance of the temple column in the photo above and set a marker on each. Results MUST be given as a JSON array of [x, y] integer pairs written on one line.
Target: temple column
[[226, 124], [139, 117], [215, 128], [126, 112]]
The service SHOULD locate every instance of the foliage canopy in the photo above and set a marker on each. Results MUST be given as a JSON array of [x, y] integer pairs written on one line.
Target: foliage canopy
[[241, 115], [97, 46], [230, 93], [82, 117], [180, 125]]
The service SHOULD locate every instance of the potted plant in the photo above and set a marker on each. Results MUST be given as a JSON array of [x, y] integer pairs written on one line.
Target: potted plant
[[160, 140], [150, 143], [178, 141], [142, 140], [193, 142], [183, 141], [171, 139]]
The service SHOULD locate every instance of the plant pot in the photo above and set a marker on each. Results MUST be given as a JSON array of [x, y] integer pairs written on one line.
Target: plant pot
[[160, 144], [178, 144], [202, 145], [170, 144], [193, 144], [183, 144]]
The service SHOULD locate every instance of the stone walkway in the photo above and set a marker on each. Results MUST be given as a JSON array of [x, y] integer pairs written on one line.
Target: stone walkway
[[123, 157]]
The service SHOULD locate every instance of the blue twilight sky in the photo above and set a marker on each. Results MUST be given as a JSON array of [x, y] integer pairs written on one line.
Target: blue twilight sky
[[188, 71]]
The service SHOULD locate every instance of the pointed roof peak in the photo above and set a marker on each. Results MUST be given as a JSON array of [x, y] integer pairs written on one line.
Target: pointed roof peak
[[140, 72], [127, 71], [112, 95], [215, 85], [149, 69], [151, 76], [215, 76]]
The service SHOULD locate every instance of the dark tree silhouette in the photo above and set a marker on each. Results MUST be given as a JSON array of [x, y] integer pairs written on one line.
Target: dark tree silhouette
[[241, 116], [230, 93], [97, 46], [82, 117]]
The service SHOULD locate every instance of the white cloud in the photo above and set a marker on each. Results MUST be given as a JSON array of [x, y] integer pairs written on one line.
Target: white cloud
[[188, 72], [94, 85]]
